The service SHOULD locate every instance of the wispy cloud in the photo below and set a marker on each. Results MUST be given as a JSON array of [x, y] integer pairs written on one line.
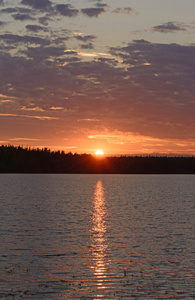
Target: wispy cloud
[[89, 120], [32, 108], [136, 143], [22, 17], [56, 108], [169, 27], [6, 97], [87, 54], [37, 4], [84, 38], [29, 116], [23, 139], [124, 10], [119, 137], [93, 11], [35, 28], [66, 10]]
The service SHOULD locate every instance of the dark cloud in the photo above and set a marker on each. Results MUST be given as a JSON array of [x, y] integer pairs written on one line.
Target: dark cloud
[[97, 1], [125, 10], [38, 4], [66, 10], [16, 39], [171, 62], [85, 38], [35, 28], [45, 20], [169, 27], [1, 2], [161, 76], [2, 23], [45, 84], [62, 39], [22, 17], [87, 46], [69, 59], [93, 12], [101, 5], [9, 10], [142, 87], [43, 53], [21, 10]]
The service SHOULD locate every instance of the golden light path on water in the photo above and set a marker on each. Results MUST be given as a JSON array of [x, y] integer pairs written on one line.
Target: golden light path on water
[[99, 239]]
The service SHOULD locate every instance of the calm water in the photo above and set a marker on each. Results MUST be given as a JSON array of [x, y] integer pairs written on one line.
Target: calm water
[[97, 237]]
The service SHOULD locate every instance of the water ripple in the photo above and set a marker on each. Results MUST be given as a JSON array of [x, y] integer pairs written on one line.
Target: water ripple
[[97, 237]]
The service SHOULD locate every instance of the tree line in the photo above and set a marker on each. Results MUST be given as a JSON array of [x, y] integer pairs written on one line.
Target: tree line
[[26, 160]]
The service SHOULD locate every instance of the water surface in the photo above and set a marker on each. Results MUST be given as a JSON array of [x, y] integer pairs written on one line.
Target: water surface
[[97, 236]]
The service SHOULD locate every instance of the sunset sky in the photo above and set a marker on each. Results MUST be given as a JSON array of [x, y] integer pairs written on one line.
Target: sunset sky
[[83, 75]]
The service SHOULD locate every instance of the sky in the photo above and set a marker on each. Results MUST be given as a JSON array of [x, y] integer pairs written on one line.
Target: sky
[[82, 75]]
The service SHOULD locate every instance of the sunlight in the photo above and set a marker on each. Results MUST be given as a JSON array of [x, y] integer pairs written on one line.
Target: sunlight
[[99, 245], [99, 152]]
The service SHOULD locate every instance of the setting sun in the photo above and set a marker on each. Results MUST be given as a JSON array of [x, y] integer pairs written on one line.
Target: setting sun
[[99, 152]]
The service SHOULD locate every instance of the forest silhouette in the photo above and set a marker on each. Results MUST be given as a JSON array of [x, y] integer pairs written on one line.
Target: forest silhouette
[[26, 160]]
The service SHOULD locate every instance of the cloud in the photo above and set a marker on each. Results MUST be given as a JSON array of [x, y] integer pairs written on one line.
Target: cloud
[[1, 2], [6, 99], [145, 143], [16, 39], [93, 12], [29, 116], [85, 38], [119, 137], [141, 87], [56, 108], [159, 75], [169, 27], [89, 120], [37, 4], [87, 46], [125, 10], [10, 10], [101, 5], [70, 52], [22, 17], [43, 53], [44, 20], [24, 139], [66, 10], [134, 90], [61, 39], [35, 82], [35, 28], [87, 54], [32, 108]]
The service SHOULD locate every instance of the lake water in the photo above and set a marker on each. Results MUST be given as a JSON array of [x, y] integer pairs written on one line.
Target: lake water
[[97, 236]]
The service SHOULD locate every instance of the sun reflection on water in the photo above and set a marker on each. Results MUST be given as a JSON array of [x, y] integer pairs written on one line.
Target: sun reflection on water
[[99, 245]]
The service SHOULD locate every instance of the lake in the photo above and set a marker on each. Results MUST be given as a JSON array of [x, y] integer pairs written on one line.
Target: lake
[[97, 236]]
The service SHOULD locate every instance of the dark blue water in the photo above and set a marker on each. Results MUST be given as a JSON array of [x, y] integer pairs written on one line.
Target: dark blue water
[[97, 237]]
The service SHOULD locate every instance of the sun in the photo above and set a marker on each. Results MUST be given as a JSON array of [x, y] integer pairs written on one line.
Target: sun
[[99, 152]]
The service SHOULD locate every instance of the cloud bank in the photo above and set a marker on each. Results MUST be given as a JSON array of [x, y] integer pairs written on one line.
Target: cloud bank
[[70, 78]]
